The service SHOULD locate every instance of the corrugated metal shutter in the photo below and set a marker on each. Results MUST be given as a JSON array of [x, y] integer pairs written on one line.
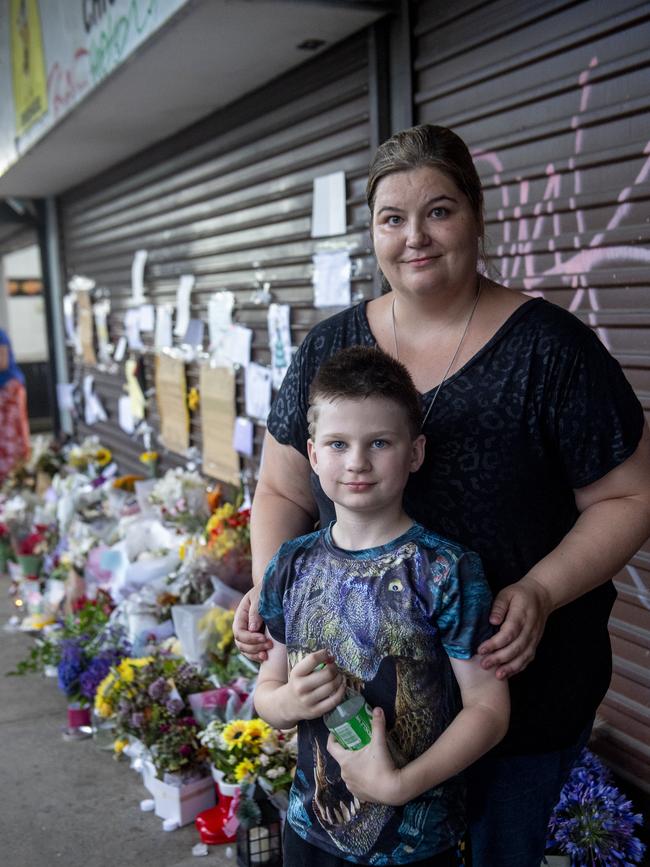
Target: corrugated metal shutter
[[230, 201], [553, 99]]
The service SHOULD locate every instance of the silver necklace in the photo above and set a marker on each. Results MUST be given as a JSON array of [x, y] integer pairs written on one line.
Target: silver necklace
[[454, 356]]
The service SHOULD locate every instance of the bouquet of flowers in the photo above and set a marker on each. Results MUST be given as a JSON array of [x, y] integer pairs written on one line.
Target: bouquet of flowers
[[244, 749], [84, 664], [18, 513], [34, 544], [148, 695], [177, 749], [592, 822], [222, 659], [180, 498], [228, 545], [82, 628], [90, 456]]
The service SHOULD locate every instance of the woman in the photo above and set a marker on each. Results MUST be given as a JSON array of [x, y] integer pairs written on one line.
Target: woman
[[14, 442], [537, 458]]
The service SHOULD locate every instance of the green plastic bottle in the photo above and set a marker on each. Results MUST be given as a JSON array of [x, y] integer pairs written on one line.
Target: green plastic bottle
[[351, 722]]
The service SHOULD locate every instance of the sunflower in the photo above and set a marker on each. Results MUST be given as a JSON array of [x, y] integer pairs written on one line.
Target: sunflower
[[257, 732], [235, 732], [245, 768], [103, 456]]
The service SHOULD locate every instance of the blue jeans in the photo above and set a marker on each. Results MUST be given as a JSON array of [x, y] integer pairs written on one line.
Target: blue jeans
[[510, 800]]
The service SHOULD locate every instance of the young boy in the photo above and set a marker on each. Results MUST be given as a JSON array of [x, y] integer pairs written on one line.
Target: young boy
[[376, 604]]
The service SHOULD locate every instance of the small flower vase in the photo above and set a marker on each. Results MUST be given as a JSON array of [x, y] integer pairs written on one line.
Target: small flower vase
[[79, 722], [219, 825], [103, 731], [30, 565]]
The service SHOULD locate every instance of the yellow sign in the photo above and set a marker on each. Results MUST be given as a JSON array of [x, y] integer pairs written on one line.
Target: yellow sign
[[28, 64]]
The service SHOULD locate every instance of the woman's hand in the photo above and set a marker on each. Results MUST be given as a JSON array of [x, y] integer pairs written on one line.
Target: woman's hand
[[370, 773], [248, 627], [521, 611], [315, 686]]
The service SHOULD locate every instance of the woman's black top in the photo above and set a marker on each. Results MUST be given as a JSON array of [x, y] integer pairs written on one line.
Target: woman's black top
[[541, 409]]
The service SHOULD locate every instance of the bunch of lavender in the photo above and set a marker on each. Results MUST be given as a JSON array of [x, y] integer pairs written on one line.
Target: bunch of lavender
[[593, 823]]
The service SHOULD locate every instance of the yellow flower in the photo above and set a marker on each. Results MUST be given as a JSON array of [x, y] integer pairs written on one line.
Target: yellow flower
[[102, 705], [244, 769], [193, 399], [103, 456], [234, 732], [182, 550], [257, 732], [119, 745], [149, 457]]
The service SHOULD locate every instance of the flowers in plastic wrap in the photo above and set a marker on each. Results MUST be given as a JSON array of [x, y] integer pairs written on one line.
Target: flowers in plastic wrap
[[593, 823], [18, 513], [89, 456], [228, 545], [221, 658], [86, 631], [251, 749], [180, 498], [146, 693]]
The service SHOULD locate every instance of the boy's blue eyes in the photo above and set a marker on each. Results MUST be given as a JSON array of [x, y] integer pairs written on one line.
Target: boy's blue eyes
[[338, 445]]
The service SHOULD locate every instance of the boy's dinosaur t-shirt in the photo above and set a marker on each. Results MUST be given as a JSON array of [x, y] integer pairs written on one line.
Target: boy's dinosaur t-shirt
[[391, 617]]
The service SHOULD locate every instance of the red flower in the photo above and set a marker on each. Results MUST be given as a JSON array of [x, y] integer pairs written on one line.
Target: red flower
[[27, 545]]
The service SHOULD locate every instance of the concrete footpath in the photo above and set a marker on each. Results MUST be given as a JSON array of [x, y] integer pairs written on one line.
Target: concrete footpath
[[71, 803]]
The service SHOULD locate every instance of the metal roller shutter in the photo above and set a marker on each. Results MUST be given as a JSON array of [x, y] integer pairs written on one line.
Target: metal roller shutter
[[553, 99], [229, 201]]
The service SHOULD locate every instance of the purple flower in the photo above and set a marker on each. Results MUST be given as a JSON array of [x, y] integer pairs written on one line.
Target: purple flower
[[97, 670], [174, 706], [71, 666], [137, 719], [593, 822], [157, 689], [185, 750]]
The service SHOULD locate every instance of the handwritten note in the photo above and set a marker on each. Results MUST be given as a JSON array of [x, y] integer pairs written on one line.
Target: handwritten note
[[258, 391], [332, 271]]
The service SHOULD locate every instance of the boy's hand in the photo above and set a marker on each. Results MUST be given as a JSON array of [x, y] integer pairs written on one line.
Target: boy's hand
[[314, 693], [370, 773]]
